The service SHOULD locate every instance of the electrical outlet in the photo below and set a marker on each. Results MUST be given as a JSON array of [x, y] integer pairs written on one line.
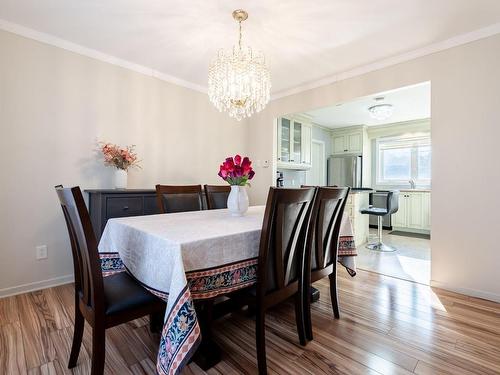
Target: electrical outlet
[[41, 252]]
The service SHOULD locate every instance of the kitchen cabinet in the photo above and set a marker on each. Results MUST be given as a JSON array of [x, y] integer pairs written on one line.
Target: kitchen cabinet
[[426, 211], [294, 144], [306, 144], [399, 219], [360, 223], [354, 140], [351, 142], [414, 213], [284, 128]]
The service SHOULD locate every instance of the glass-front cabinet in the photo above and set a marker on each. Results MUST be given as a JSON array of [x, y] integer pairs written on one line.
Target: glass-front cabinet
[[297, 142], [284, 139], [294, 143]]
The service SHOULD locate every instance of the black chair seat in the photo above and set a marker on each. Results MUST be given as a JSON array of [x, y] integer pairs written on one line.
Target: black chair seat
[[374, 211], [123, 293]]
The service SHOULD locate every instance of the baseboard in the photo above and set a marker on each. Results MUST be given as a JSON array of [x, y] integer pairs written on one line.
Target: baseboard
[[384, 227], [411, 230], [31, 287], [468, 292]]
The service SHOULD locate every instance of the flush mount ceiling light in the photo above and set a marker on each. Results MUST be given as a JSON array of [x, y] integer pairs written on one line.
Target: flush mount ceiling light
[[381, 111], [239, 81]]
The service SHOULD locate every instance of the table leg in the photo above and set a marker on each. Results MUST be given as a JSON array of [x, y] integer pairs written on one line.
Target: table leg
[[156, 322], [208, 353]]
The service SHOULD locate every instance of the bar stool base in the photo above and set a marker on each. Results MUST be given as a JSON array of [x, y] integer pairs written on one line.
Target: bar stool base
[[380, 247]]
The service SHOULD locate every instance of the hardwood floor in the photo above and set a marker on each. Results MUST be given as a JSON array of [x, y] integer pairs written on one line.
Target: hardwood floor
[[411, 261], [387, 326]]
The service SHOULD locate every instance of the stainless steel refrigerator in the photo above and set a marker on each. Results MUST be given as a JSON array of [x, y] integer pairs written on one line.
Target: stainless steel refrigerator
[[345, 170]]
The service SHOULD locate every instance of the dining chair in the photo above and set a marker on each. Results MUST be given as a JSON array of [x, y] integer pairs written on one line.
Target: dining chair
[[281, 259], [179, 198], [103, 301], [217, 196], [322, 246]]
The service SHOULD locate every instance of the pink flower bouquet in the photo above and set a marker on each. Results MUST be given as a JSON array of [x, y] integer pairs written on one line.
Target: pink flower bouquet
[[120, 158], [236, 171]]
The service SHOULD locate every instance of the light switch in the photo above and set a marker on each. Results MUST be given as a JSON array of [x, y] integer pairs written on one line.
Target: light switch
[[41, 252]]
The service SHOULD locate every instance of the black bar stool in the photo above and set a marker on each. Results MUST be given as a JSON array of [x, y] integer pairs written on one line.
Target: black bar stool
[[392, 206]]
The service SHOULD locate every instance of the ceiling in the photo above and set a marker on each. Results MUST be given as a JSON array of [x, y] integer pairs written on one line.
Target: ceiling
[[409, 103], [304, 41]]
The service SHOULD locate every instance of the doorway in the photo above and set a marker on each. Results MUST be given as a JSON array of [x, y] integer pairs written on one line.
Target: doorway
[[390, 132], [316, 176]]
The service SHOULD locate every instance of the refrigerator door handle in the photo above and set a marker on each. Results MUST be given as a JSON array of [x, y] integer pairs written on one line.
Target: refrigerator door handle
[[354, 173]]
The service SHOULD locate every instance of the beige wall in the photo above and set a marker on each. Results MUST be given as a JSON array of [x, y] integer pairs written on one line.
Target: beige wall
[[465, 137], [54, 104]]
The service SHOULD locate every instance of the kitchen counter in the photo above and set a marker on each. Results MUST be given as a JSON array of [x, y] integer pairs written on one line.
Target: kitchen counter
[[360, 191], [415, 190]]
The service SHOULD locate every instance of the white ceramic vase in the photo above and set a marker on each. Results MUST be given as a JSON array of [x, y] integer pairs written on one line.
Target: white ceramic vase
[[237, 201], [121, 179]]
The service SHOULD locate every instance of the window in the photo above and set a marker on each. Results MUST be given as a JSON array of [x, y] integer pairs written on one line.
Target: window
[[401, 159]]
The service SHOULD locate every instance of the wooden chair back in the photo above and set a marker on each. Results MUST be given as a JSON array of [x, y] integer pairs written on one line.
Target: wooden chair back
[[86, 262], [326, 220], [282, 242], [178, 198], [217, 196]]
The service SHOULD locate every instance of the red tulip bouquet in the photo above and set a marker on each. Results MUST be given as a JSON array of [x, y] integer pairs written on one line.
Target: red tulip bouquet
[[237, 171]]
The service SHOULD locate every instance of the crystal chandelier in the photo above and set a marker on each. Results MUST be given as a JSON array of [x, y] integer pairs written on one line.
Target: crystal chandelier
[[238, 79]]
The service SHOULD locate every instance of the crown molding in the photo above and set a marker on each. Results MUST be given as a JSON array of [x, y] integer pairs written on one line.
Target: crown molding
[[455, 41], [88, 52], [348, 128], [322, 127], [94, 54]]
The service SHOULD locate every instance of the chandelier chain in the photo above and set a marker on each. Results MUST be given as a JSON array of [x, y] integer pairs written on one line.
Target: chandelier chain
[[239, 40]]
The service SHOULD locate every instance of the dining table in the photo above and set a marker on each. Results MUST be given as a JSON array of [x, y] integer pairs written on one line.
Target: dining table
[[191, 256]]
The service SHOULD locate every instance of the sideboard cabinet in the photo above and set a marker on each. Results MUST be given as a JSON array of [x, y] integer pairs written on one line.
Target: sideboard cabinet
[[106, 204]]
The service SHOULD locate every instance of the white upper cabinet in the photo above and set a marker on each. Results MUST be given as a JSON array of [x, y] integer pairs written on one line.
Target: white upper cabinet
[[297, 142], [339, 144], [294, 143], [355, 142], [347, 142], [284, 128]]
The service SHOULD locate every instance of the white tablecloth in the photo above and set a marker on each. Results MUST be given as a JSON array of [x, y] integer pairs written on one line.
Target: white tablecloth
[[190, 255]]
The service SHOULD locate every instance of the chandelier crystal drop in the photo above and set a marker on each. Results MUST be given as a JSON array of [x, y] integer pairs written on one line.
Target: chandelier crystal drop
[[239, 81]]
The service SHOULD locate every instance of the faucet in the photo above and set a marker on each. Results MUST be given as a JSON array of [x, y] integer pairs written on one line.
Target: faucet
[[412, 184]]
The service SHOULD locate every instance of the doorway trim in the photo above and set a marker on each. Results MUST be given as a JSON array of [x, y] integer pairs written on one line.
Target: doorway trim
[[323, 147]]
